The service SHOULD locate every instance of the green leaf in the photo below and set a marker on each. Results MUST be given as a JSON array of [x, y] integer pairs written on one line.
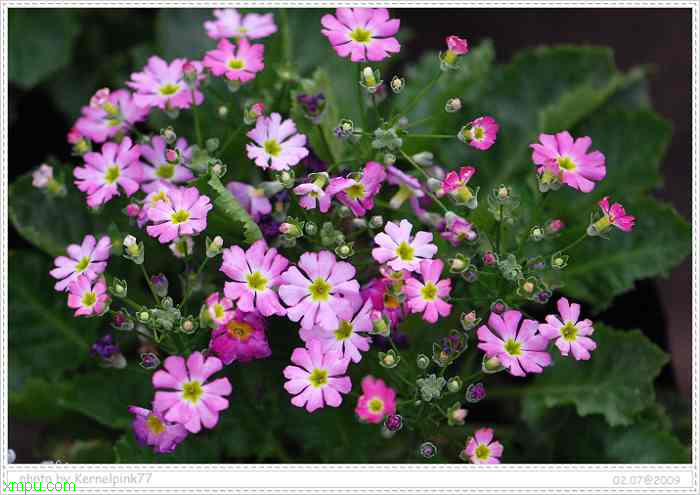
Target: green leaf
[[37, 401], [40, 42], [227, 204], [204, 447], [181, 33], [601, 269], [44, 337], [616, 382]]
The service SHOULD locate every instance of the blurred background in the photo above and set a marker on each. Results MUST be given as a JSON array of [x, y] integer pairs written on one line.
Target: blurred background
[[101, 47]]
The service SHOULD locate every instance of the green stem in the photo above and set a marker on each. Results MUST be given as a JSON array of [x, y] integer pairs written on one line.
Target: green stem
[[188, 292], [195, 113], [232, 135], [580, 239], [498, 232], [432, 136], [415, 100], [286, 36], [150, 284], [376, 109], [419, 122], [132, 304], [474, 376], [420, 169]]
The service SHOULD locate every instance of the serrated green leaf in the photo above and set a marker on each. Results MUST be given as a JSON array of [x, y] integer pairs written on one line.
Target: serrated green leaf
[[40, 42], [228, 205], [617, 382]]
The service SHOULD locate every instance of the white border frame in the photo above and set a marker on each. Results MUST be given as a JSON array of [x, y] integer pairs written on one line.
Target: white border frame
[[349, 478]]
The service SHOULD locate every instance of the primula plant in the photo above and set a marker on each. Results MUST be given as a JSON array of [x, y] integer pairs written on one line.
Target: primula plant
[[271, 244]]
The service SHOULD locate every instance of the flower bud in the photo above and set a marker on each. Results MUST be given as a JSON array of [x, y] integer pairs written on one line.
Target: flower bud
[[132, 210], [376, 222], [214, 246], [121, 320], [469, 320], [428, 450], [389, 359], [543, 296], [456, 46], [380, 324], [393, 422], [189, 325], [457, 265], [397, 84], [344, 251], [159, 283], [290, 229], [118, 288], [253, 112], [389, 158], [453, 105], [422, 361], [537, 233], [498, 307], [42, 176], [554, 226], [133, 250], [370, 79], [491, 365], [559, 261], [310, 228], [470, 275], [489, 258], [217, 167], [345, 129], [212, 144], [182, 247], [456, 415], [169, 135], [189, 70], [475, 392], [149, 361], [143, 316], [222, 111], [454, 384]]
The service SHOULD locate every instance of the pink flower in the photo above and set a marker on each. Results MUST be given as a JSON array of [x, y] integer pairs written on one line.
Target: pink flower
[[399, 251], [428, 297], [568, 160], [185, 214], [314, 192], [454, 181], [481, 449], [317, 380], [376, 402], [251, 198], [480, 133], [102, 173], [160, 193], [236, 64], [241, 339], [87, 299], [359, 195], [457, 45], [255, 274], [457, 229], [572, 335], [613, 215], [151, 429], [158, 169], [88, 259], [361, 33], [322, 298], [383, 300], [220, 309], [229, 24], [117, 113], [277, 145], [345, 338], [521, 351], [187, 398], [163, 85]]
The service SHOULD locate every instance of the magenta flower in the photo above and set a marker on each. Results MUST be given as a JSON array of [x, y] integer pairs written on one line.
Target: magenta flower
[[255, 274], [242, 339], [399, 251], [482, 449], [88, 259], [159, 170], [562, 157], [237, 64], [102, 173], [457, 229], [457, 45], [313, 192], [522, 351], [359, 195], [151, 429], [251, 198], [277, 144], [322, 298], [161, 192], [480, 133], [376, 402], [571, 334], [383, 300], [220, 309], [230, 24], [185, 214], [361, 33], [86, 298], [613, 215], [345, 338], [317, 380], [118, 113], [454, 181], [164, 86], [429, 296], [183, 395]]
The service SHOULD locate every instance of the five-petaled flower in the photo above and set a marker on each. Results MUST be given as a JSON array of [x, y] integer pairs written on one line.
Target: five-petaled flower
[[151, 429], [230, 23], [184, 213], [86, 298], [572, 336], [361, 33], [399, 250], [88, 259], [277, 144], [164, 85], [482, 448], [428, 297], [235, 63], [241, 339], [614, 214]]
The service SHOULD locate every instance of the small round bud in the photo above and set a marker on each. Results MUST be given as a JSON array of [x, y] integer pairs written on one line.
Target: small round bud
[[491, 365], [422, 361], [389, 158], [489, 258], [537, 233], [428, 450], [172, 155], [475, 392], [393, 422], [555, 225], [169, 135], [397, 84], [453, 105], [454, 384], [310, 228], [498, 307], [143, 316], [222, 111], [457, 264], [212, 144], [133, 210], [189, 70], [376, 222]]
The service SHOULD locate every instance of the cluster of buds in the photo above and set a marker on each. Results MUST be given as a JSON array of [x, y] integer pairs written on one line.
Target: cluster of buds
[[430, 387]]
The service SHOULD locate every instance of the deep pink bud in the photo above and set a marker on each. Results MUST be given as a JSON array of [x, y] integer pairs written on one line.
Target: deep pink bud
[[489, 258], [257, 109], [189, 70], [74, 136], [556, 225], [133, 210], [171, 155], [457, 45]]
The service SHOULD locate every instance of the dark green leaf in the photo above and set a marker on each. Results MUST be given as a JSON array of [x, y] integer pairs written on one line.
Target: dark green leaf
[[227, 204]]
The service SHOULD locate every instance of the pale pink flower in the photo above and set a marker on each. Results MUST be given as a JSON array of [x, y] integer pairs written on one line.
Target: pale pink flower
[[359, 195], [346, 338], [183, 395], [88, 259], [184, 214], [277, 144], [42, 176], [456, 229], [569, 160], [519, 351], [230, 24], [158, 170], [361, 33], [255, 274], [614, 215], [313, 192], [164, 86], [241, 339], [428, 297], [251, 198], [482, 449], [102, 173], [480, 133], [161, 192], [399, 250], [571, 334], [236, 63], [319, 295], [118, 112], [376, 402], [318, 378], [220, 309], [86, 298]]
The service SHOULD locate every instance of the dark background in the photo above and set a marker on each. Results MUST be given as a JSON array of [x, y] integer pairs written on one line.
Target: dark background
[[660, 38]]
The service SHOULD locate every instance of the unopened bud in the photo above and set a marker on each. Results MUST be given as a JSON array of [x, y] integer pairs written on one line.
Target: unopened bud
[[397, 84], [453, 105], [491, 365], [169, 135], [212, 144], [214, 246], [172, 155], [475, 392], [376, 222], [149, 361], [389, 158], [160, 284], [454, 384], [422, 361], [489, 258], [498, 307], [133, 210], [222, 111]]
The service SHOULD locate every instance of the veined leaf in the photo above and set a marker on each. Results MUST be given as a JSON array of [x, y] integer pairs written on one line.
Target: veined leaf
[[225, 202]]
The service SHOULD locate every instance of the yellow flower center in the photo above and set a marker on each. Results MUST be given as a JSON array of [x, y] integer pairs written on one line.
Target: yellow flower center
[[236, 63], [89, 299], [192, 391], [566, 163], [82, 264], [272, 147], [344, 330], [512, 347], [478, 133], [166, 171], [376, 405], [218, 311], [318, 377], [429, 291], [161, 196], [154, 424], [482, 452], [569, 331], [405, 252], [320, 290], [180, 216], [239, 330], [169, 89], [256, 281], [112, 174], [356, 191], [361, 35]]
